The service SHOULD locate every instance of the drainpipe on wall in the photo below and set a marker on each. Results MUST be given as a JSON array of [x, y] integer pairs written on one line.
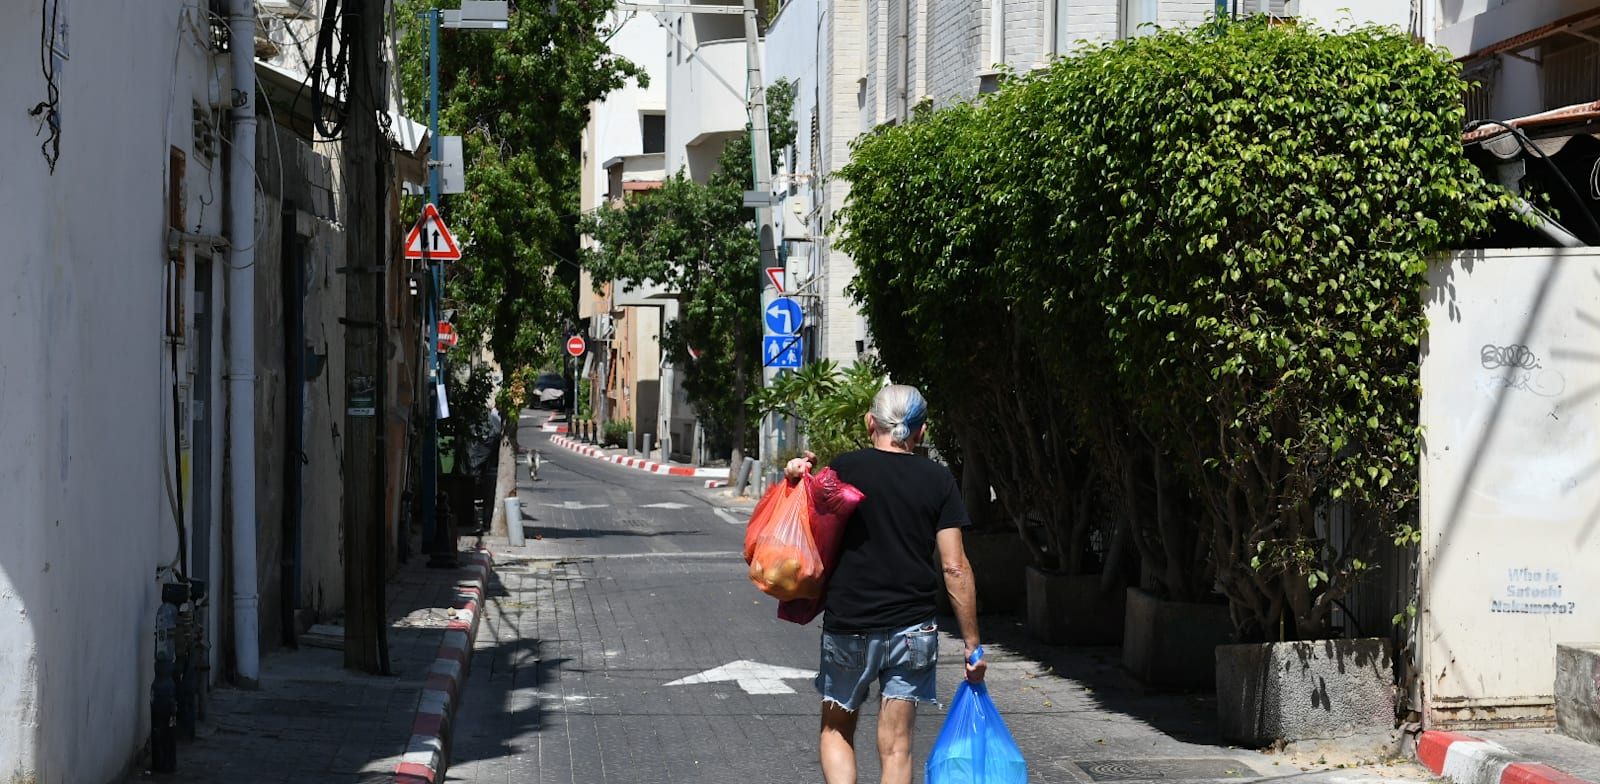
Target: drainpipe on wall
[[241, 343]]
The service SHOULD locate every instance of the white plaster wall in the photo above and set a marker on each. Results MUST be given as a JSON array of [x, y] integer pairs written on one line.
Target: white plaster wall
[[84, 402], [1509, 483], [703, 107], [615, 120], [1335, 14]]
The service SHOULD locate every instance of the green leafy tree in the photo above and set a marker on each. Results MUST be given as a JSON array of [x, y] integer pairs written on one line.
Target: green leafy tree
[[828, 404], [519, 98], [699, 241], [1213, 243]]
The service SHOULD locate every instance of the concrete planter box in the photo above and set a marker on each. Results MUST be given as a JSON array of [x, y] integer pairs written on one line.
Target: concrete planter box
[[1172, 645], [1298, 691], [1578, 691], [1073, 610]]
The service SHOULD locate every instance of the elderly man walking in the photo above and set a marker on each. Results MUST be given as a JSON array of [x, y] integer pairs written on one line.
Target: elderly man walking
[[879, 616]]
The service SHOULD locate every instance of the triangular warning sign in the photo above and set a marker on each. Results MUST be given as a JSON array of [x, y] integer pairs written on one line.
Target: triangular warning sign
[[775, 274], [431, 235]]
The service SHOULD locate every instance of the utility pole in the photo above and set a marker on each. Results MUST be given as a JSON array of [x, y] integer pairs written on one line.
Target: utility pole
[[761, 163], [365, 638]]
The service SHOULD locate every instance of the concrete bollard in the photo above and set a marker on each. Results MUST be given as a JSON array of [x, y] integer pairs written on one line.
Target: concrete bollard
[[514, 520], [741, 477]]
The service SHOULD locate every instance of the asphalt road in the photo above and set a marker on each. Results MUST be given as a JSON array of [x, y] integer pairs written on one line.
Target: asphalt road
[[624, 645]]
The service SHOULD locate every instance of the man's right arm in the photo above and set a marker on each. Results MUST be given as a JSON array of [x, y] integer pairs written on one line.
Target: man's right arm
[[963, 591]]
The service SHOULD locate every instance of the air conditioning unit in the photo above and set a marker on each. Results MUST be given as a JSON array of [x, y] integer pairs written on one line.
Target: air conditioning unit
[[289, 9]]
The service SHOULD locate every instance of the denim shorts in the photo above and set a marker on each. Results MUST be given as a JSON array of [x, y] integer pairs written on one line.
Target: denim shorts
[[902, 661]]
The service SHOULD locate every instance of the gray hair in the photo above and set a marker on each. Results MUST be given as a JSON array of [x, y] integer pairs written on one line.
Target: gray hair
[[899, 411]]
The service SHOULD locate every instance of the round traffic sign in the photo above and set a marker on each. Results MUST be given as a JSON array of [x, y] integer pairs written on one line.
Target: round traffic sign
[[575, 345]]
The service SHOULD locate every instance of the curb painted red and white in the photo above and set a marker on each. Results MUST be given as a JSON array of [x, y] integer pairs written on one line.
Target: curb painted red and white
[[427, 754], [636, 462], [1467, 760], [550, 425]]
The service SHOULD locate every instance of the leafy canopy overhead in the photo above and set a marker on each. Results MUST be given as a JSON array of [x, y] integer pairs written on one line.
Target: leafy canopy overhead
[[519, 98]]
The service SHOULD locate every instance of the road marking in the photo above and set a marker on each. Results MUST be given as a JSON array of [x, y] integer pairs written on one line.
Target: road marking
[[753, 677], [729, 517], [575, 505], [666, 505]]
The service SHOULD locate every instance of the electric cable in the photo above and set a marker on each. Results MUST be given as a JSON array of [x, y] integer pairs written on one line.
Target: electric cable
[[49, 109], [1527, 145]]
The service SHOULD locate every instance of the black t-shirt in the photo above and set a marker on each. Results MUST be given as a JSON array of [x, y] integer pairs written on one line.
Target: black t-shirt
[[887, 574]]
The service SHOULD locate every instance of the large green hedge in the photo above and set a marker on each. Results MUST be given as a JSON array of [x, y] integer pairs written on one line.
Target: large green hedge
[[1202, 252]]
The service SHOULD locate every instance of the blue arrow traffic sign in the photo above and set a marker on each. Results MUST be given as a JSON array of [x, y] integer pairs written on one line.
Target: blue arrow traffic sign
[[782, 351], [783, 317]]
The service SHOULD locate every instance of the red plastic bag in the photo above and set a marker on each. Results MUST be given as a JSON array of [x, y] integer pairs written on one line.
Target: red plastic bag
[[783, 557], [832, 502]]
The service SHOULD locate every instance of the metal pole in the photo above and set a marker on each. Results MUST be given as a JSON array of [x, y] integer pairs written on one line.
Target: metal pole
[[430, 446], [761, 164]]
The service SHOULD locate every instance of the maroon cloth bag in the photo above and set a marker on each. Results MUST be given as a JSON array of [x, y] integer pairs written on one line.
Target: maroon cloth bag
[[832, 502]]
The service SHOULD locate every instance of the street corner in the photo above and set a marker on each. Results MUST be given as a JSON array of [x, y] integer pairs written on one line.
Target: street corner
[[1464, 759], [622, 458]]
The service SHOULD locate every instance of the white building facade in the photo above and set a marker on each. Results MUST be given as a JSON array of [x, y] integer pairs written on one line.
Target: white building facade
[[89, 465]]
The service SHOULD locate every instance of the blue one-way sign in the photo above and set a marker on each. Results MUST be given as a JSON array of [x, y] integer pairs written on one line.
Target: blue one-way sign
[[783, 316], [782, 351]]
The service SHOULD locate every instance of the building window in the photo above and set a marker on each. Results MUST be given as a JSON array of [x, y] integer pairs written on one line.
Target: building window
[[1059, 42], [1138, 17], [653, 133]]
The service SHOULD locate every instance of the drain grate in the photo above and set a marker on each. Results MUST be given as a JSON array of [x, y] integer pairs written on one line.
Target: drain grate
[[1160, 769]]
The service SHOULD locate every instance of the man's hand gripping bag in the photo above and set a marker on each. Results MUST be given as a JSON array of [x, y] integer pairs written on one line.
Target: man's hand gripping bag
[[783, 557], [974, 746]]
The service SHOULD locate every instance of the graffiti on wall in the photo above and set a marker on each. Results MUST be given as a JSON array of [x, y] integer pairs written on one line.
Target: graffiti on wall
[[1517, 367], [1532, 592]]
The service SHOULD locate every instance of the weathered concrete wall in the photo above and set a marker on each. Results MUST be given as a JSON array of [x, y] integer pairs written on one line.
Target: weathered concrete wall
[[1320, 689], [1511, 435], [306, 177], [1578, 691], [85, 394]]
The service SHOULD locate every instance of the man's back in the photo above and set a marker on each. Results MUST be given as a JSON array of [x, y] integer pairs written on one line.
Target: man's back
[[887, 575]]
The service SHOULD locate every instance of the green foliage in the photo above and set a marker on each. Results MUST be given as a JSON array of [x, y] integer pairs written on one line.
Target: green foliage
[[1213, 245], [698, 240], [828, 404], [615, 432], [519, 99]]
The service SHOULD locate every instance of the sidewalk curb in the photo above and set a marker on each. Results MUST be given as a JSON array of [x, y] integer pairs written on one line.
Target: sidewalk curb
[[1464, 759], [636, 462], [428, 754]]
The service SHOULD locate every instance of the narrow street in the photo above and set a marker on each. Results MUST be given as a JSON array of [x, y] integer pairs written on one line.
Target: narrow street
[[625, 645]]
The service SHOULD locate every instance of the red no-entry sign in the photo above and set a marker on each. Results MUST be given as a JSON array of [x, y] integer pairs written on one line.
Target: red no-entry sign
[[575, 345]]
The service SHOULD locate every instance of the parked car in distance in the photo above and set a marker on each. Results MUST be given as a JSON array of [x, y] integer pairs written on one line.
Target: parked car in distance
[[550, 391]]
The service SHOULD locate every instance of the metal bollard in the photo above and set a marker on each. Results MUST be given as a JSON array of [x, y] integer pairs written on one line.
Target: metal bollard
[[514, 520], [631, 435], [646, 449]]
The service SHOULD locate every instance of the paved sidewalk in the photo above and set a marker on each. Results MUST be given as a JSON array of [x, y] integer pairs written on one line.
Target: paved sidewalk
[[313, 720]]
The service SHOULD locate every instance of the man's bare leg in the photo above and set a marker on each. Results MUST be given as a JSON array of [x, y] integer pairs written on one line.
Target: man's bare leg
[[896, 718], [838, 744]]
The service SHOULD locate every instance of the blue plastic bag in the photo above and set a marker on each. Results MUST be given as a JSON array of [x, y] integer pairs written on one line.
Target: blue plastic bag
[[974, 746]]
